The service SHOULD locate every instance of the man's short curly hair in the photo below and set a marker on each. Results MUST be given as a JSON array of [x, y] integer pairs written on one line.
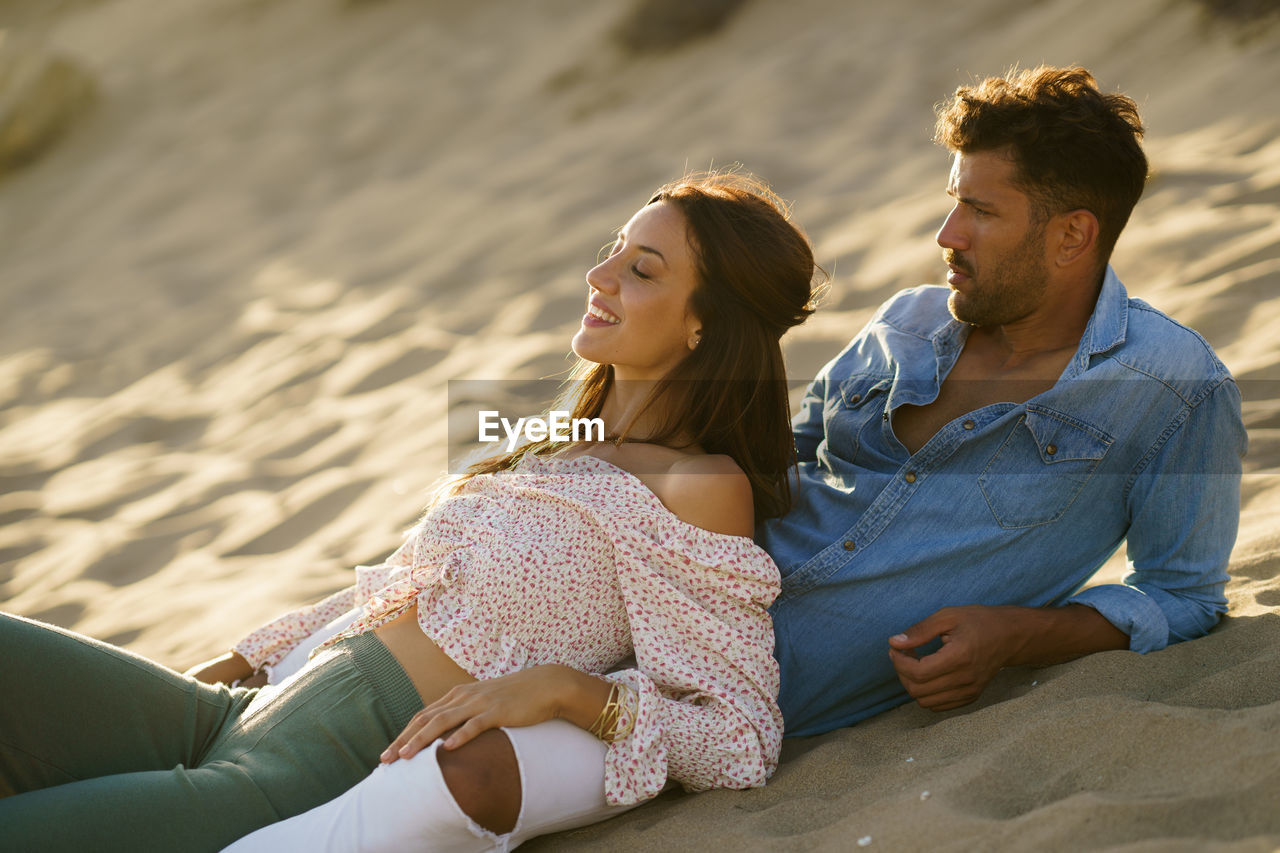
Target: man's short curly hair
[[1073, 146]]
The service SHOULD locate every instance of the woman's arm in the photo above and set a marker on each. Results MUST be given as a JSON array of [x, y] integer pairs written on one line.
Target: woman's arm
[[269, 644], [523, 698], [225, 669], [706, 680], [247, 663]]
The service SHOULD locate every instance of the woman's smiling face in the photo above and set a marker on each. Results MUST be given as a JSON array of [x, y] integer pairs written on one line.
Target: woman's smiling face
[[638, 314]]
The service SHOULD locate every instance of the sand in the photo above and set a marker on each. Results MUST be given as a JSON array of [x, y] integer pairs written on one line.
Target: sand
[[236, 289]]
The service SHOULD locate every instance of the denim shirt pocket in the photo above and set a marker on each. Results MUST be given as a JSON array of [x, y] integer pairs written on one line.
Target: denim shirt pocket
[[1041, 467], [860, 398]]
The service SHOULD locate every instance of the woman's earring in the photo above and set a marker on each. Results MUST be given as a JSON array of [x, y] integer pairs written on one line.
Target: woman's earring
[[697, 341]]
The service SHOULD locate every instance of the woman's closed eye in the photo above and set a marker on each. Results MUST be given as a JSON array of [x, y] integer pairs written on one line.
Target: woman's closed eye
[[635, 268]]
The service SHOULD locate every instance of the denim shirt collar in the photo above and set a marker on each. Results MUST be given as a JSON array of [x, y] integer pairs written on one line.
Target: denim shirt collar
[[1107, 325], [1105, 330]]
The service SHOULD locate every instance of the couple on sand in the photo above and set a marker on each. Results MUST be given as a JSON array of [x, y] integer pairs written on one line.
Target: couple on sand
[[570, 627]]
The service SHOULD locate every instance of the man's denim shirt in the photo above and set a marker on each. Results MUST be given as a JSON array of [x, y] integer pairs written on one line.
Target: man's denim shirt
[[1140, 439]]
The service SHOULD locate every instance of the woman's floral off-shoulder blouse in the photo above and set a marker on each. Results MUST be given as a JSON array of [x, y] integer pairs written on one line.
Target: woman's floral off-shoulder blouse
[[575, 561]]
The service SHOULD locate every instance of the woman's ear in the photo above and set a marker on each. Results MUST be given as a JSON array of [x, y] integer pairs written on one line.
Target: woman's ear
[[692, 330]]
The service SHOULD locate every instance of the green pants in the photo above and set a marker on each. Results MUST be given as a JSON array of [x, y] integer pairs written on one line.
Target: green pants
[[102, 750]]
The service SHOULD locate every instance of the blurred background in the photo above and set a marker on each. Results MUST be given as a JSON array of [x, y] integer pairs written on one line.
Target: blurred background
[[246, 244]]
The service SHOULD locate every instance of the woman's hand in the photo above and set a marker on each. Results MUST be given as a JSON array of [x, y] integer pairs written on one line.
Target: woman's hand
[[522, 698], [226, 669]]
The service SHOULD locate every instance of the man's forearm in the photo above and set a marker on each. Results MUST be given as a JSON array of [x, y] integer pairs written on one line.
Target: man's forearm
[[1047, 635]]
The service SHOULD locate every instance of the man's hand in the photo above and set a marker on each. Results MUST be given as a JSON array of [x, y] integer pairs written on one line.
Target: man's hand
[[978, 641]]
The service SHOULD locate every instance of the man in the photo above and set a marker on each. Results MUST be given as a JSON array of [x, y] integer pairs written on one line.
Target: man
[[978, 451], [971, 459]]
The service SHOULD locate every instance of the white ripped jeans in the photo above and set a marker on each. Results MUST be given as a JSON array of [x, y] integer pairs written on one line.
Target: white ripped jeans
[[407, 806]]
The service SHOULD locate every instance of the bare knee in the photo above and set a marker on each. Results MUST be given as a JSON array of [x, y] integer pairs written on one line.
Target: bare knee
[[484, 778]]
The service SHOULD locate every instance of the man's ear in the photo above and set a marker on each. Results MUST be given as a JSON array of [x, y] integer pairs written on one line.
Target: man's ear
[[1078, 231]]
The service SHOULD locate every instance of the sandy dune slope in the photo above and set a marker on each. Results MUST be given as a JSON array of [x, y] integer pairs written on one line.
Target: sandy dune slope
[[234, 293]]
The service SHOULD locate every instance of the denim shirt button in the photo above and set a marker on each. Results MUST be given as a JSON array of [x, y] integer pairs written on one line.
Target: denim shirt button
[[848, 545], [910, 477], [853, 398], [967, 425], [885, 416], [1051, 449]]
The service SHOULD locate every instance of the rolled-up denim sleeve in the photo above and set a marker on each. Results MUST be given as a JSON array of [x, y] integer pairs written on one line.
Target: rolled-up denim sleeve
[[1184, 507]]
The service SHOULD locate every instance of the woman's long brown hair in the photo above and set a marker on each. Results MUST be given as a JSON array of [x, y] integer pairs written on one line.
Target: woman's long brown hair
[[729, 395]]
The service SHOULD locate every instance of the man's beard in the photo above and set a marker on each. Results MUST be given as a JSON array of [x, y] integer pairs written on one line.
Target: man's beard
[[1009, 291]]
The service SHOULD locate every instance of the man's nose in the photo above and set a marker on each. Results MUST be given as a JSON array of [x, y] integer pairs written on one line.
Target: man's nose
[[951, 235]]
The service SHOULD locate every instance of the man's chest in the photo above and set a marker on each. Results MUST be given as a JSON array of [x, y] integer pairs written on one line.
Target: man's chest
[[975, 382]]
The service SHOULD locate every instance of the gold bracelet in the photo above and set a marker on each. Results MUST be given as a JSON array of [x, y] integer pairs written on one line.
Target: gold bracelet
[[606, 724], [633, 709], [603, 723]]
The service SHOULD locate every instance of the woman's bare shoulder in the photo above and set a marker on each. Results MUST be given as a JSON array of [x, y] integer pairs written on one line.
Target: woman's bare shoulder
[[710, 491], [707, 490]]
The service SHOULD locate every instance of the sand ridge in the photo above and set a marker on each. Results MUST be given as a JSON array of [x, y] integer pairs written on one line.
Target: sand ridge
[[235, 293]]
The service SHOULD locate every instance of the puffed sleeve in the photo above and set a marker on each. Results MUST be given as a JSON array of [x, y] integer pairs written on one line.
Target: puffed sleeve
[[705, 676], [268, 645]]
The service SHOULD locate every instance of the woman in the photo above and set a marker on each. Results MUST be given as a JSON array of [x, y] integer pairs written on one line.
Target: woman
[[513, 599]]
